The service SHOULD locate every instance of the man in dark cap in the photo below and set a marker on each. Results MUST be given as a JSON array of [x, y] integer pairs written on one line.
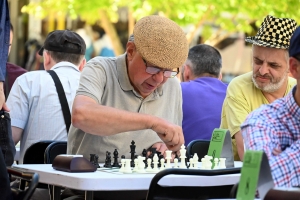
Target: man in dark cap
[[275, 128], [36, 112], [267, 81]]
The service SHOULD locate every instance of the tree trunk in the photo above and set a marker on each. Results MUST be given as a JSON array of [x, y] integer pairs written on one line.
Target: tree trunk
[[110, 30]]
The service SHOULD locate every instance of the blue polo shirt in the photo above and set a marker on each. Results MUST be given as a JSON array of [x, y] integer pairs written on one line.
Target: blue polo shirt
[[4, 37]]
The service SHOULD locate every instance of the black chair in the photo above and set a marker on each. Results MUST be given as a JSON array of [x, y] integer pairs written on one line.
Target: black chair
[[54, 149], [31, 178], [197, 146], [159, 192], [35, 153]]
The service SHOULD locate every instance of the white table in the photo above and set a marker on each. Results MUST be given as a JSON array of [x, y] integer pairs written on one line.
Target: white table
[[104, 181]]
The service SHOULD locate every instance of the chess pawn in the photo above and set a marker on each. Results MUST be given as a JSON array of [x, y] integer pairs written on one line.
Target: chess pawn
[[122, 165], [175, 162], [127, 169], [222, 163], [168, 158], [162, 164], [216, 163], [208, 164], [203, 160], [191, 163], [149, 168], [195, 161], [155, 163], [135, 165]]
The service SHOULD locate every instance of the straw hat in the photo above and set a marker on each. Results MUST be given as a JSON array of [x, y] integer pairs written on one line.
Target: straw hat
[[161, 42], [274, 32]]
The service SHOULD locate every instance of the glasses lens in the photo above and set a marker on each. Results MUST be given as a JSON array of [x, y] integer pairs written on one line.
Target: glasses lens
[[170, 74], [152, 70]]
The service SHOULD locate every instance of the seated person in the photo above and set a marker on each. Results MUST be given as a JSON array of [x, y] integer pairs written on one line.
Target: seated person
[[203, 92], [275, 128], [36, 112], [132, 97], [267, 82]]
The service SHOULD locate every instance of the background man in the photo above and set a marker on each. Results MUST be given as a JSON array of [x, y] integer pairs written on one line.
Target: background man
[[35, 108], [267, 82], [202, 92], [275, 128]]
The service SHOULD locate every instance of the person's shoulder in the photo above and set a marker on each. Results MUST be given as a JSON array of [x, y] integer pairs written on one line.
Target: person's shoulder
[[292, 81], [10, 67], [242, 79]]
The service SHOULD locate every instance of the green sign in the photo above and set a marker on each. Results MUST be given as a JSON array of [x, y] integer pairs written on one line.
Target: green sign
[[216, 143], [249, 175]]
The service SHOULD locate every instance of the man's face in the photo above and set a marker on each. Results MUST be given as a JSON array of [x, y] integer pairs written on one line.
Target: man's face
[[10, 41], [270, 68], [143, 82]]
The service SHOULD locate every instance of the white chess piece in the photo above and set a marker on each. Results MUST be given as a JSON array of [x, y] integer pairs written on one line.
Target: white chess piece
[[182, 157], [191, 163], [155, 163], [135, 165], [208, 164], [175, 162], [127, 169], [149, 168], [162, 164], [222, 163], [216, 162], [141, 165], [195, 161], [122, 165], [168, 158], [203, 164]]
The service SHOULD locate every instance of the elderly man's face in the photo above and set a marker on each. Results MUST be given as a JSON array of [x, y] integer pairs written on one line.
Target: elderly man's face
[[143, 82], [270, 68]]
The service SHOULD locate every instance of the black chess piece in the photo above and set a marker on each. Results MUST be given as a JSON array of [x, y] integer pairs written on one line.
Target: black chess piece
[[116, 163], [144, 154], [122, 157], [107, 163], [132, 151], [94, 160]]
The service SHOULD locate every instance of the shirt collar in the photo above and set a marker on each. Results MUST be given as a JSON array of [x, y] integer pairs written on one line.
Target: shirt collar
[[64, 64], [124, 78], [291, 104]]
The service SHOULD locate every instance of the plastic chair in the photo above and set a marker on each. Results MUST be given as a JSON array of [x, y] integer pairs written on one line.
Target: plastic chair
[[35, 153], [157, 191], [54, 149], [197, 146], [32, 178]]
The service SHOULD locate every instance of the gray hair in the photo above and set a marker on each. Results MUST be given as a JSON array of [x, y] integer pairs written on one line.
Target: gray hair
[[205, 59]]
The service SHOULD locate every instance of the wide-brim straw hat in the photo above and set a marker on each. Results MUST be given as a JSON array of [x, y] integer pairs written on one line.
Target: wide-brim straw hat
[[274, 32], [161, 42]]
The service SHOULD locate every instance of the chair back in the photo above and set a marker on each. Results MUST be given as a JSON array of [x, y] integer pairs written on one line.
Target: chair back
[[157, 191], [35, 153], [54, 149], [198, 146], [31, 178]]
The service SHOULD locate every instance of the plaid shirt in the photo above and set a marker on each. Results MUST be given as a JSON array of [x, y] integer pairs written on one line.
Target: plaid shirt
[[277, 126]]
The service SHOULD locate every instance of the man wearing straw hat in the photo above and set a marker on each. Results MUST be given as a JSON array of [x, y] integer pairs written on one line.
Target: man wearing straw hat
[[275, 128], [133, 96], [267, 82]]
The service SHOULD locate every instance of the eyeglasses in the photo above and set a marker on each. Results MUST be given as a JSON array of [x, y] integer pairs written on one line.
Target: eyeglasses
[[155, 70]]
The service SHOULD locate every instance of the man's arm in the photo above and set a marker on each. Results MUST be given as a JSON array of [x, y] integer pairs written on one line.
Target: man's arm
[[16, 134], [284, 165], [96, 119], [239, 144]]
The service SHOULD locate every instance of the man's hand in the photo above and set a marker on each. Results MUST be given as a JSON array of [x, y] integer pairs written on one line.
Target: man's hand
[[161, 147], [2, 98], [170, 133], [276, 152]]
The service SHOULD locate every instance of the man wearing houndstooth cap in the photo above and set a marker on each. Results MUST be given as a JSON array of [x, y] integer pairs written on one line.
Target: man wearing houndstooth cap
[[267, 81]]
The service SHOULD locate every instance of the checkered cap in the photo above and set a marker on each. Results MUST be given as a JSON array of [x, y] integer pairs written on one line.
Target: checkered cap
[[274, 32]]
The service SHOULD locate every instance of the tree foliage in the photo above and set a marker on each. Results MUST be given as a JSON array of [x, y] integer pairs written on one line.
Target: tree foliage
[[227, 15]]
